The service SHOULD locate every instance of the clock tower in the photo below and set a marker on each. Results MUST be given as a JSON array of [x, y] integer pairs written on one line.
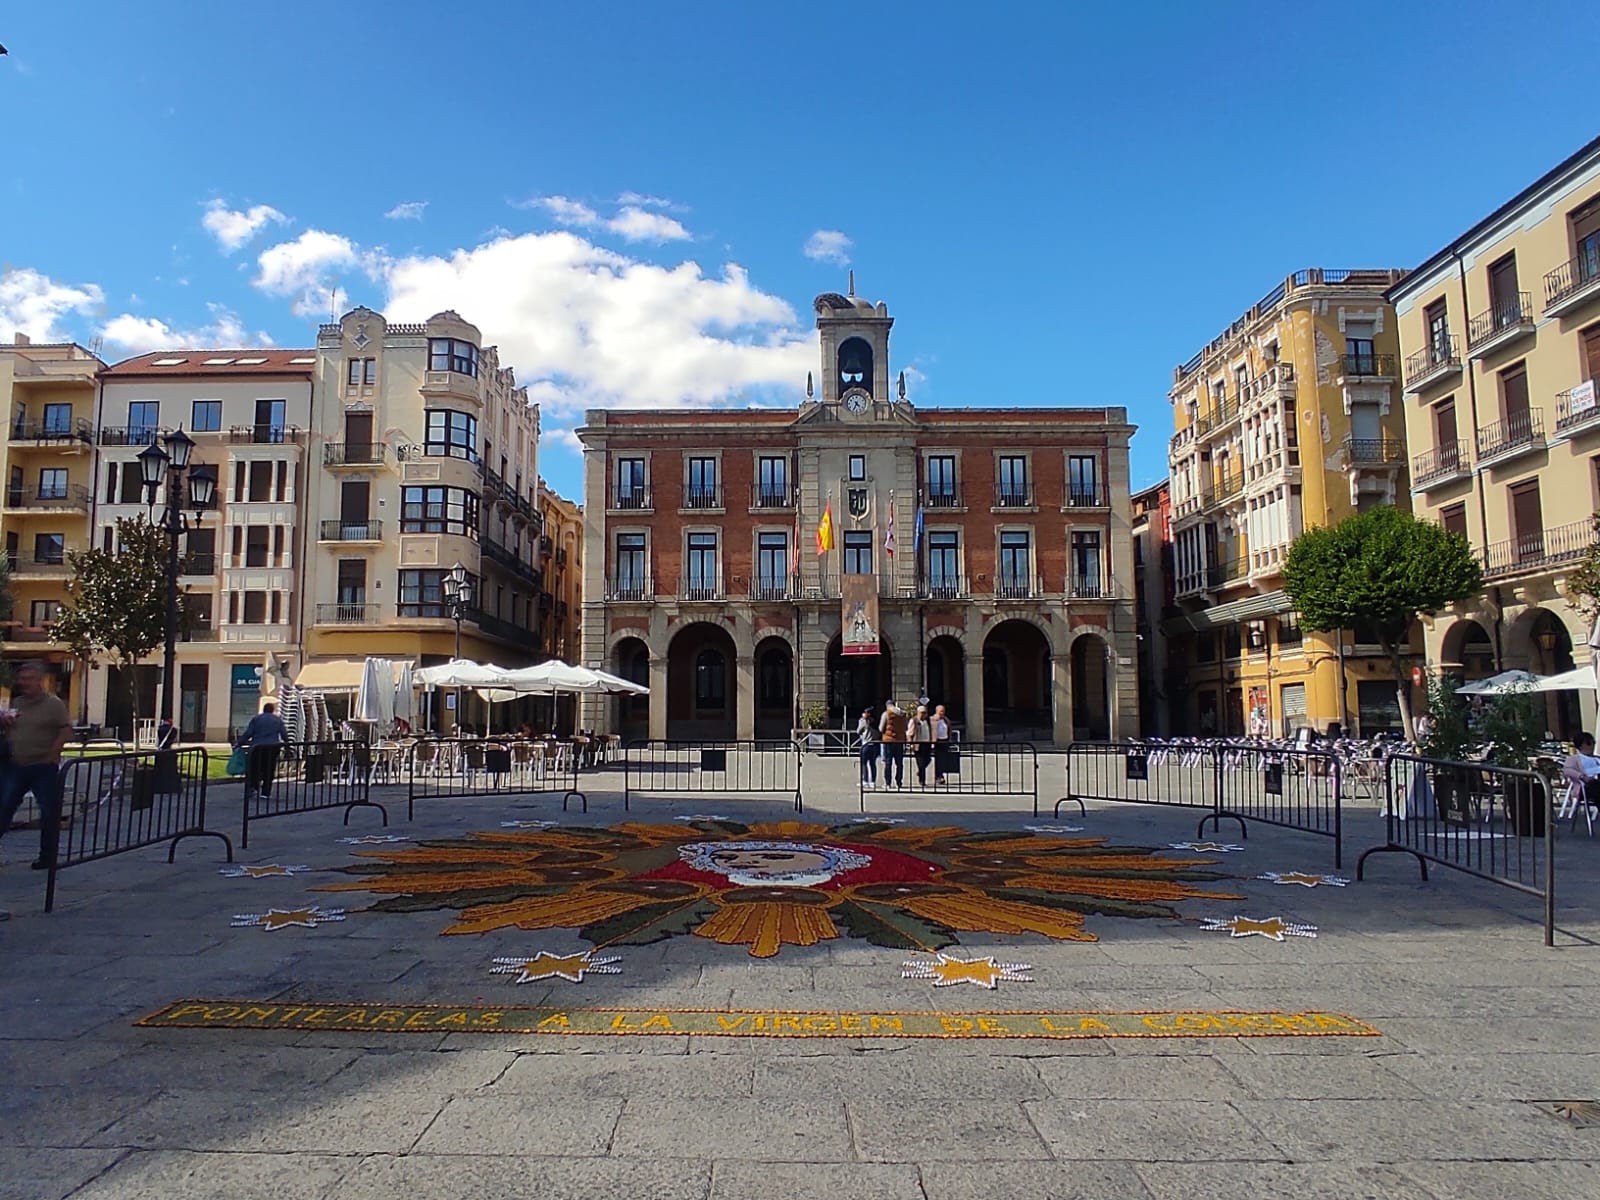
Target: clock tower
[[855, 354]]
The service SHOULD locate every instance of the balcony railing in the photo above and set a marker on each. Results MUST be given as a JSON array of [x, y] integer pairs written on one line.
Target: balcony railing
[[700, 588], [945, 587], [769, 495], [1448, 461], [354, 454], [1088, 495], [630, 587], [499, 627], [129, 435], [702, 496], [507, 557], [1017, 587], [347, 614], [199, 564], [1373, 452], [632, 499], [1275, 381], [49, 563], [1014, 495], [1367, 366], [1228, 486], [1578, 405], [199, 633], [1090, 585], [265, 435], [944, 496], [768, 588], [1508, 317], [368, 530], [1220, 574], [18, 632], [1516, 434], [1542, 548], [73, 497], [1570, 284], [1216, 417], [1432, 363], [76, 430]]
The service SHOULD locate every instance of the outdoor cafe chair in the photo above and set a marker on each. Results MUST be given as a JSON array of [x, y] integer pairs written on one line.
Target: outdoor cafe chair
[[1575, 802]]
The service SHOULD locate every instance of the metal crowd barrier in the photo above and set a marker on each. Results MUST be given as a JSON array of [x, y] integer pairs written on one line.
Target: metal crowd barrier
[[965, 769], [438, 768], [114, 803], [298, 777], [1493, 823], [730, 769], [1291, 788]]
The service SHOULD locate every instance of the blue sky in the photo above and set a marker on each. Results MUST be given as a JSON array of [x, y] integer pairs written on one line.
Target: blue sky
[[1058, 202]]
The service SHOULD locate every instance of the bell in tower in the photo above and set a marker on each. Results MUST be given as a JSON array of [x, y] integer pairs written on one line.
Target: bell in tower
[[855, 348], [855, 365]]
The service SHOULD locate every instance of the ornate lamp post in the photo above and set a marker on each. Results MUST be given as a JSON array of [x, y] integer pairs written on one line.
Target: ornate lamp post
[[168, 463], [458, 603]]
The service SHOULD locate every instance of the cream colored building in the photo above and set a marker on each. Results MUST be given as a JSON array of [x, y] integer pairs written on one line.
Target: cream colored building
[[1500, 334], [561, 548], [425, 454], [248, 412], [1288, 419], [49, 468]]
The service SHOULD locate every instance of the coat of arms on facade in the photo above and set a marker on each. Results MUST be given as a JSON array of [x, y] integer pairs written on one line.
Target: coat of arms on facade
[[856, 500]]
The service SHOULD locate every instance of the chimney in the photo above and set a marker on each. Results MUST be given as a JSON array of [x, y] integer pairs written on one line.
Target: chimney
[[21, 339]]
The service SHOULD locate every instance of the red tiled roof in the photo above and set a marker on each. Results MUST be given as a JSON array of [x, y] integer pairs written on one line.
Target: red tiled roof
[[196, 362]]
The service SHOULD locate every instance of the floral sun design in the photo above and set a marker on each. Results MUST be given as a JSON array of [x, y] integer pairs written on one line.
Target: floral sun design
[[773, 884]]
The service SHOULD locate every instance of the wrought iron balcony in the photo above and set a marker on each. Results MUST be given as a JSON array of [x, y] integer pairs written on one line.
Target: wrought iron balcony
[[702, 496], [1578, 406], [1518, 434], [945, 495], [347, 614], [1014, 495], [70, 497], [366, 530], [1541, 548], [1433, 364], [129, 435], [1090, 585], [1224, 573], [1008, 586], [74, 430], [944, 587], [630, 587], [1373, 452], [1088, 495], [631, 499], [354, 454], [499, 627], [771, 495], [266, 435], [199, 564], [510, 559], [1440, 465], [1510, 318], [700, 588], [1218, 417], [767, 587], [1365, 366], [48, 563], [1228, 486], [1573, 283]]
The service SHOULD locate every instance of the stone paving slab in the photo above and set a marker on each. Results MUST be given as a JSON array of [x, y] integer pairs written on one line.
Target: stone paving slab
[[191, 1175]]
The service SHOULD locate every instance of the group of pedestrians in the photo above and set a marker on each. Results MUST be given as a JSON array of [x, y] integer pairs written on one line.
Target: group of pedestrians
[[37, 727], [885, 740]]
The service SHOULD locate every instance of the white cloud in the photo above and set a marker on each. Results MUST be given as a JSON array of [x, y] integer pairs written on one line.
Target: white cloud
[[32, 303], [233, 228], [137, 335], [829, 246], [307, 270], [632, 223], [588, 327], [407, 210], [641, 200]]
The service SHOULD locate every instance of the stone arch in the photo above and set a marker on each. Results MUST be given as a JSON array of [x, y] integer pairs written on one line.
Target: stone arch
[[631, 631], [1456, 637], [1091, 686], [702, 681], [773, 631], [1048, 628], [1018, 682], [630, 656], [957, 632], [1521, 636]]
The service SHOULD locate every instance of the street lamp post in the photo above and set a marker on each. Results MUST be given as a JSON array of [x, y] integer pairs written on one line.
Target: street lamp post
[[458, 602], [169, 463]]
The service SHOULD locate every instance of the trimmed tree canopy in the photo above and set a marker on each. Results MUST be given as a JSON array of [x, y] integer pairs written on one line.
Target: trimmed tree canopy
[[1378, 569]]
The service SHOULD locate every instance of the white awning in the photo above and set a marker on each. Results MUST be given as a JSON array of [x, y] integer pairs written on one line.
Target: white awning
[[331, 675], [1265, 605]]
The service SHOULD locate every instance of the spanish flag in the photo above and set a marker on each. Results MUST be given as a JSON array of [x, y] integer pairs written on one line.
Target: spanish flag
[[825, 530]]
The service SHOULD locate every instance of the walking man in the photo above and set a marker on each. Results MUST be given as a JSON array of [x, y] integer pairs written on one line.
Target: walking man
[[867, 733], [920, 734], [941, 745], [38, 736], [893, 728], [264, 736]]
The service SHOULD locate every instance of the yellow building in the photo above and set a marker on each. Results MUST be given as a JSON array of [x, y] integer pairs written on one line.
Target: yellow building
[[1286, 421], [49, 468], [1500, 333], [561, 549]]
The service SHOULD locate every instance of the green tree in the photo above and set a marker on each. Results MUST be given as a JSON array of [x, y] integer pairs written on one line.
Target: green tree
[[1583, 580], [116, 605], [1378, 570]]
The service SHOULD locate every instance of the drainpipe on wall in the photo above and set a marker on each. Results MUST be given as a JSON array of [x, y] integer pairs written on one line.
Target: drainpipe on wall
[[1477, 467]]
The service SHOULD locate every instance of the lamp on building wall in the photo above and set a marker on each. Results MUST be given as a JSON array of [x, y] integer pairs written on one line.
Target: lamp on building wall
[[457, 604], [168, 463]]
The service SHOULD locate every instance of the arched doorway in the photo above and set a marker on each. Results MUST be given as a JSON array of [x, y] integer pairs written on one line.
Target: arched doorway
[[1017, 685], [1550, 653], [857, 681], [630, 659], [1091, 702], [945, 677], [774, 689], [1466, 651], [701, 691]]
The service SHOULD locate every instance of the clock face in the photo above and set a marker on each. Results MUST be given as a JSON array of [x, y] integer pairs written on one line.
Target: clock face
[[855, 401]]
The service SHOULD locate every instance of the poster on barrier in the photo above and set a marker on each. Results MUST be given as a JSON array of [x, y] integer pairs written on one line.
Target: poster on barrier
[[1137, 766], [1272, 778], [860, 614]]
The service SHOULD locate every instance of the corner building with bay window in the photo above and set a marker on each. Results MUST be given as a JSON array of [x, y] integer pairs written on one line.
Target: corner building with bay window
[[1008, 595]]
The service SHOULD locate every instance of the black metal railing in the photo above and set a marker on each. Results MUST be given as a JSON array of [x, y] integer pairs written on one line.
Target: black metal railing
[[701, 496], [700, 588], [951, 767], [1494, 823], [725, 769], [631, 499], [1523, 430], [1014, 495], [1437, 357], [1234, 569], [767, 588], [1090, 585], [1571, 278], [1009, 586], [499, 627], [199, 564], [359, 613], [451, 768], [1217, 416], [1367, 366], [1539, 548], [1088, 495], [1228, 486], [72, 496], [354, 454], [769, 495], [1442, 462], [300, 777], [265, 434], [944, 496], [1578, 405], [111, 804], [630, 587], [1509, 312], [1373, 451], [341, 530], [128, 435], [77, 429], [494, 551], [945, 587], [49, 563]]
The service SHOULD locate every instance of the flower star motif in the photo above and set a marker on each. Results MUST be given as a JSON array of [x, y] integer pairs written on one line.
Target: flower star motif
[[1273, 928], [703, 817], [1207, 847], [266, 870], [544, 965], [1054, 828], [282, 918], [1303, 878], [946, 971], [529, 824], [373, 839]]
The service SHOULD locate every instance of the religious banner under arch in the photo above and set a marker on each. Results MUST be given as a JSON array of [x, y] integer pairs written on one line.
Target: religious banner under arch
[[860, 614]]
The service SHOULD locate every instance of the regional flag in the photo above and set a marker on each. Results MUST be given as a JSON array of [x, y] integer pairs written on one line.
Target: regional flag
[[888, 537], [916, 536], [825, 529]]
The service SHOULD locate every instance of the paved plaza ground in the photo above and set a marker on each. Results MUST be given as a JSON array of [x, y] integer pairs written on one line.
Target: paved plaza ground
[[1477, 1021]]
